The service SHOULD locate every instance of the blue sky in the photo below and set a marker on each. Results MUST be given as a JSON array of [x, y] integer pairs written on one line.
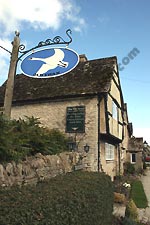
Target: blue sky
[[99, 29]]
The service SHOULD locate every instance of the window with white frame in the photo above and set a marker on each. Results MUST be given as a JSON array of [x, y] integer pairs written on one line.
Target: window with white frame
[[133, 157], [109, 151], [114, 111]]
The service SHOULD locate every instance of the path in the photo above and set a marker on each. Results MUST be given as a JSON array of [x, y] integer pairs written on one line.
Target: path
[[144, 214], [146, 184]]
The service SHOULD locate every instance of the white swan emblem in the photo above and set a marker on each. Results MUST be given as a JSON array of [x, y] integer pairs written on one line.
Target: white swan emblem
[[51, 62]]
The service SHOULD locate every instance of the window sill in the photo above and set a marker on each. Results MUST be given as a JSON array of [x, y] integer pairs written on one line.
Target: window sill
[[109, 160]]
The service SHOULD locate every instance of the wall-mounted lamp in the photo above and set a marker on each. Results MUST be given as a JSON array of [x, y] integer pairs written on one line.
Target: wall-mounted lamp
[[86, 148], [145, 144]]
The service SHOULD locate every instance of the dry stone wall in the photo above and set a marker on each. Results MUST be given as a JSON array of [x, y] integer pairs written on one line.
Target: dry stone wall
[[38, 168]]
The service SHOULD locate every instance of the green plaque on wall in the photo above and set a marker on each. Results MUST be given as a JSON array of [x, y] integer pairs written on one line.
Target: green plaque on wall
[[75, 119]]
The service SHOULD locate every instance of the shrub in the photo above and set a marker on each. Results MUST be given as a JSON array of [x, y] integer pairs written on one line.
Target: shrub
[[128, 221], [129, 168], [57, 141], [124, 221], [119, 185], [144, 166], [78, 198], [21, 138], [131, 211], [119, 198]]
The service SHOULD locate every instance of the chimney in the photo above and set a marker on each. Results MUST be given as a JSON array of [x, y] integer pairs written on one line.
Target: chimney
[[83, 58]]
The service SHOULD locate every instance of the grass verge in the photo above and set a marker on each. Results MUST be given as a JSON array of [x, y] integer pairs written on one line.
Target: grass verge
[[138, 194]]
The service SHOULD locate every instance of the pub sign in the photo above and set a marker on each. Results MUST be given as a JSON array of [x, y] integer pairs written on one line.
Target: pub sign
[[51, 62], [75, 119]]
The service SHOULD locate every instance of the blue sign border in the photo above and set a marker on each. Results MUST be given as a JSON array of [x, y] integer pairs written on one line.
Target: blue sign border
[[34, 61]]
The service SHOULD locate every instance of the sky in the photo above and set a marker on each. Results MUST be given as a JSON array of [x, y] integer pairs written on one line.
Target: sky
[[100, 28]]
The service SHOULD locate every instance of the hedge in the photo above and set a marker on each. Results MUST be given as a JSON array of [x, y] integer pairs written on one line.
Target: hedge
[[78, 198]]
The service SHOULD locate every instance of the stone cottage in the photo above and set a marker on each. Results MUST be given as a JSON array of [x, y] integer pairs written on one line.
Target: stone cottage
[[135, 152], [86, 104]]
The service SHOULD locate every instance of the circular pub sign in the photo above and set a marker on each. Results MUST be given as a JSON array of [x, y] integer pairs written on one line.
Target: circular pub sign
[[50, 62]]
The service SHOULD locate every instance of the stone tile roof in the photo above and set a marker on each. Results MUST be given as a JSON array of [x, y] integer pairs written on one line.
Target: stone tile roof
[[90, 77], [135, 144]]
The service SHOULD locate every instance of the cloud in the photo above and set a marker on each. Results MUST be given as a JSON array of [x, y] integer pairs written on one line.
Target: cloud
[[80, 25], [5, 43], [38, 15], [4, 59], [3, 70]]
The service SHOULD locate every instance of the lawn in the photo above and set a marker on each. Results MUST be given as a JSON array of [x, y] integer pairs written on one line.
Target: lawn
[[138, 194]]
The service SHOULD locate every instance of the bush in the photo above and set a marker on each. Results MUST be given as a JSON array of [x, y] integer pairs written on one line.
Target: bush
[[124, 221], [144, 166], [119, 186], [131, 211], [129, 221], [78, 198], [129, 168], [21, 138]]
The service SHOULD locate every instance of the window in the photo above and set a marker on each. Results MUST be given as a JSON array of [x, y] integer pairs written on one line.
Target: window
[[114, 111], [109, 151], [133, 157]]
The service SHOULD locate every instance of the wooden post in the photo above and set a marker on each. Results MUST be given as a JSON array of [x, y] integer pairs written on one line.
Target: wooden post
[[11, 74]]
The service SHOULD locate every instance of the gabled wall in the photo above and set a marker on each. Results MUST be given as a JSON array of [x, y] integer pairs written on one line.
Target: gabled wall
[[111, 127], [52, 114], [114, 107]]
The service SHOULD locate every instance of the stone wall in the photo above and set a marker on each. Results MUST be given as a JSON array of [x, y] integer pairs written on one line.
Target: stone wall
[[52, 114], [38, 168]]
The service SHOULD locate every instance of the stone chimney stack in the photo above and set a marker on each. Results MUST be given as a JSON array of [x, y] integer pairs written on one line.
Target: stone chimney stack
[[83, 58]]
